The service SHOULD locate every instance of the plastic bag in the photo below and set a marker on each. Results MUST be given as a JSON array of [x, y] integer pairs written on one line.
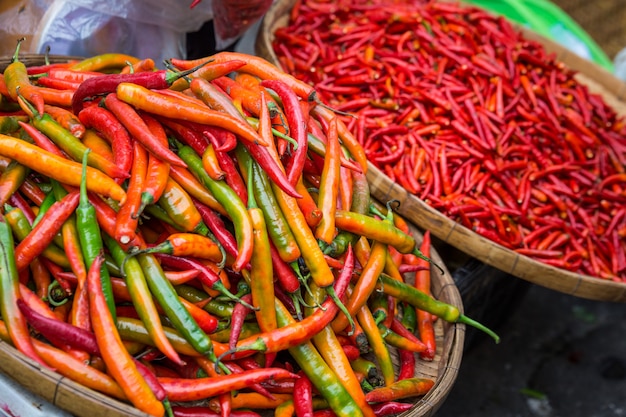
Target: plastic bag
[[20, 19], [142, 28], [231, 18]]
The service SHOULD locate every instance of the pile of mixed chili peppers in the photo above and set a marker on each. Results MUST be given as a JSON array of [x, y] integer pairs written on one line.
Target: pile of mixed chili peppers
[[459, 108], [200, 240]]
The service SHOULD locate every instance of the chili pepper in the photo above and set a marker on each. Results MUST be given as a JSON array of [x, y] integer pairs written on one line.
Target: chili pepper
[[104, 61], [67, 119], [180, 389], [158, 104], [261, 277], [9, 290], [278, 230], [406, 388], [142, 298], [383, 232], [186, 244], [166, 296], [231, 203], [303, 396], [104, 122], [329, 183], [209, 71], [90, 237], [424, 319], [107, 83], [240, 311], [43, 232], [200, 411], [11, 180], [214, 222], [21, 228], [136, 126], [420, 300], [71, 145], [127, 218], [16, 79], [179, 207], [119, 362]]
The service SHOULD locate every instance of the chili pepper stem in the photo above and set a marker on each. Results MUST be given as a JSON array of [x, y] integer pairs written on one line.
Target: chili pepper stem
[[331, 293], [257, 346], [219, 287], [471, 322]]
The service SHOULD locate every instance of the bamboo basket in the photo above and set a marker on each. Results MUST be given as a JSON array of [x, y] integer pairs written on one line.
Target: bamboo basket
[[80, 401], [597, 79]]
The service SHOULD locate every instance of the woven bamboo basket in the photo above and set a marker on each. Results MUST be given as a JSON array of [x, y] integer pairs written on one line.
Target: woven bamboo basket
[[597, 79], [80, 401]]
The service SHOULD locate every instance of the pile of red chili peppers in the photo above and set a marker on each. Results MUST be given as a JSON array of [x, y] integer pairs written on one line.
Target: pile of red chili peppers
[[482, 124], [201, 241]]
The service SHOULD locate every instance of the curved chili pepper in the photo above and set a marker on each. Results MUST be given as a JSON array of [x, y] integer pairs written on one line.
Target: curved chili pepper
[[328, 188], [44, 231], [67, 119], [180, 208], [261, 276], [179, 389], [424, 319], [240, 311], [384, 232], [365, 285], [377, 344], [127, 218], [418, 299], [104, 61], [10, 293], [211, 164], [262, 193], [142, 298], [118, 361], [161, 105], [217, 226], [21, 228], [11, 180], [17, 81], [209, 70], [231, 203], [412, 387], [167, 298], [136, 126], [107, 83], [186, 244], [104, 122]]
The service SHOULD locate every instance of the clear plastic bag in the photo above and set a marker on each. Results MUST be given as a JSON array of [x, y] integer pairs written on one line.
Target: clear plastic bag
[[142, 28], [232, 18], [20, 18]]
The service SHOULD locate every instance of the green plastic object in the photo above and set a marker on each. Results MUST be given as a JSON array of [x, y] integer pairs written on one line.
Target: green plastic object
[[548, 20]]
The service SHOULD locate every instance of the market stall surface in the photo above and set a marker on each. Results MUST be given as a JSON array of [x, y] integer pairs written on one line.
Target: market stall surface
[[559, 356]]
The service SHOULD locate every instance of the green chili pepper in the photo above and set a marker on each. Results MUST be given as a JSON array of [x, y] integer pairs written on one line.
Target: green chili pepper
[[91, 238], [423, 301], [166, 296]]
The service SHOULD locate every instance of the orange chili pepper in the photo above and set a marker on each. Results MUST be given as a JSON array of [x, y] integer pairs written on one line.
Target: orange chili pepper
[[63, 170], [156, 103], [329, 185], [16, 79], [104, 61], [66, 118], [127, 218], [119, 362], [425, 319]]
